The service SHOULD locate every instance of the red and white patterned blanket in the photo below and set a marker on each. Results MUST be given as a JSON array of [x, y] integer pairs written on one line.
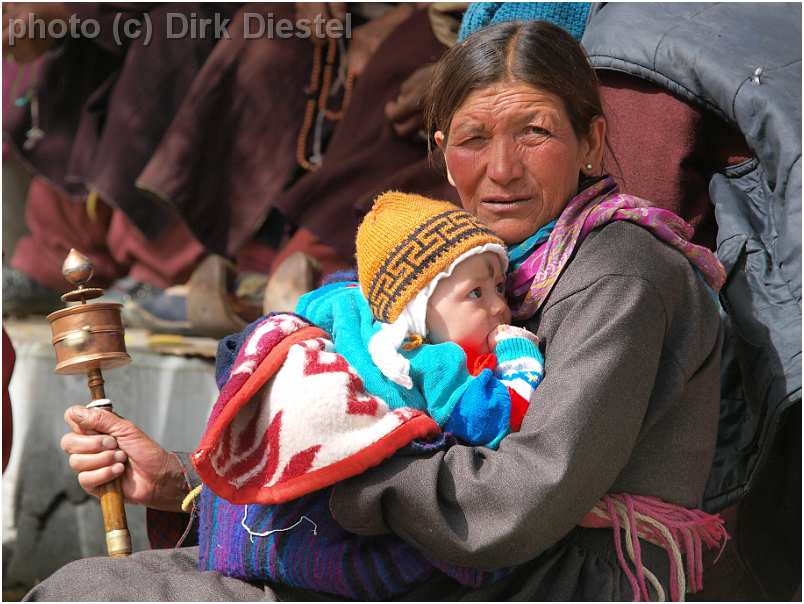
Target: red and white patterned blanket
[[294, 417]]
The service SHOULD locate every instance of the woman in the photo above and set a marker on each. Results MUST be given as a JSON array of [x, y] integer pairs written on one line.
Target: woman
[[629, 400]]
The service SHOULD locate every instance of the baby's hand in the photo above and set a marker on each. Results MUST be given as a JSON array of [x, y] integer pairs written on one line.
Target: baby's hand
[[503, 332]]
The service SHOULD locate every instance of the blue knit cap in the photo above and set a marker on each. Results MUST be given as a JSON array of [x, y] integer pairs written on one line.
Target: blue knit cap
[[569, 15]]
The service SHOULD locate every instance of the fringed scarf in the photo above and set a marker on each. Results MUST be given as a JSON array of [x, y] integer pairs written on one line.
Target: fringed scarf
[[674, 528], [550, 249]]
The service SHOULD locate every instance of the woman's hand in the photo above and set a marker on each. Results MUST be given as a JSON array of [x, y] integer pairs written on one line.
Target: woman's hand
[[16, 17], [405, 112], [101, 443]]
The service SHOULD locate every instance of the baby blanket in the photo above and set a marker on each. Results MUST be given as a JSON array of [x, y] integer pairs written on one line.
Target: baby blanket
[[294, 418]]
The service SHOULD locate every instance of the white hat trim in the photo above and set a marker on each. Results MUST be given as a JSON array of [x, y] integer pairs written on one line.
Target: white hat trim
[[384, 345]]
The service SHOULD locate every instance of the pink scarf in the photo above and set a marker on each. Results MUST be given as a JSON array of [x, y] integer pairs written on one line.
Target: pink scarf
[[679, 531], [595, 206]]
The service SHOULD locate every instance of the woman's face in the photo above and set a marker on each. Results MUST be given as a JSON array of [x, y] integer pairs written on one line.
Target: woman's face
[[514, 158]]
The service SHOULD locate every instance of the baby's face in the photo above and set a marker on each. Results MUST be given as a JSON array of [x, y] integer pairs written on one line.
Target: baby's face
[[466, 306]]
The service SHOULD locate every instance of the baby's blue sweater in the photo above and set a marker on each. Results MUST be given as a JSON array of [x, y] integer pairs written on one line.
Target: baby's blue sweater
[[474, 408]]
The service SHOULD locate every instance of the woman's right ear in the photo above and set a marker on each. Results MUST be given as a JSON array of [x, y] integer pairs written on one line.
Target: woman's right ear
[[440, 140]]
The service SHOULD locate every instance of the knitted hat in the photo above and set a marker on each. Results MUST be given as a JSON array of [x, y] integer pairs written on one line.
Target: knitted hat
[[572, 16], [405, 245]]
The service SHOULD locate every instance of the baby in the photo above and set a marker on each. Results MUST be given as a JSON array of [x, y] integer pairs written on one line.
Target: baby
[[427, 327]]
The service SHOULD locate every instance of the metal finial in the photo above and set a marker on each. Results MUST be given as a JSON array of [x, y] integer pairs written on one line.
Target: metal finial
[[77, 268]]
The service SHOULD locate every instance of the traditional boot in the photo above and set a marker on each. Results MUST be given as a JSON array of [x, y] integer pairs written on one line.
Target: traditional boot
[[208, 305], [163, 312], [213, 307], [295, 276]]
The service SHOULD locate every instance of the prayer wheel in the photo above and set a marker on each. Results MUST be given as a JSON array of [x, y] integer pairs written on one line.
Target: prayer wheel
[[88, 338]]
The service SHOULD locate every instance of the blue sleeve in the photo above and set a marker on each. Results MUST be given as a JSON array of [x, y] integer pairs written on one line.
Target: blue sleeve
[[482, 415], [475, 409]]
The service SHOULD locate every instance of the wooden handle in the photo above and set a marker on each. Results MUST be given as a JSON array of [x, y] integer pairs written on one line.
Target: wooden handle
[[118, 539]]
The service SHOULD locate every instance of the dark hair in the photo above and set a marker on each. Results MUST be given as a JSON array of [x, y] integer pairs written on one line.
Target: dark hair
[[537, 53]]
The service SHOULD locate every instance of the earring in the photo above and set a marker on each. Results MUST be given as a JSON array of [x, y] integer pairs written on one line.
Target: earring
[[589, 167]]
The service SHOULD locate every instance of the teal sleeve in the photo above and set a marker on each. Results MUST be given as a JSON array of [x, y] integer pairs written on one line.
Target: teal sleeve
[[341, 310], [321, 305], [511, 349], [520, 365]]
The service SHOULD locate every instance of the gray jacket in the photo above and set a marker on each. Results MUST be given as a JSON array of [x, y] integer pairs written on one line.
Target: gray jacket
[[629, 403], [743, 62]]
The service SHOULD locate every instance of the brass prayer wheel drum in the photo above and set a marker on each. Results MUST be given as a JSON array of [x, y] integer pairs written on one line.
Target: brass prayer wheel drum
[[88, 336]]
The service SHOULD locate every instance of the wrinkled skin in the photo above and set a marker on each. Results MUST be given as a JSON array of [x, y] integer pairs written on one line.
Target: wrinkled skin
[[514, 158]]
